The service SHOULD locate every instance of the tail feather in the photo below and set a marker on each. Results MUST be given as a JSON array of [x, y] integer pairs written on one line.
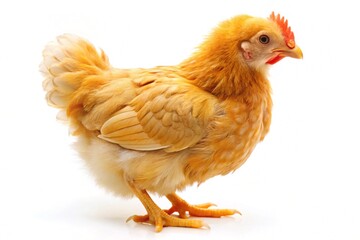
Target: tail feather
[[66, 63]]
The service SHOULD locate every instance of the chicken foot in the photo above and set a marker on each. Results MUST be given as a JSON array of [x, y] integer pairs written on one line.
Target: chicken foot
[[159, 217], [201, 210]]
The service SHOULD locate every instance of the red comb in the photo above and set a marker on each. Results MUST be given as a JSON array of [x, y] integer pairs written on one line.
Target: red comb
[[285, 29]]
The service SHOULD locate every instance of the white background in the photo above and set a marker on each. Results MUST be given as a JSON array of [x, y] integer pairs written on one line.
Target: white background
[[302, 182]]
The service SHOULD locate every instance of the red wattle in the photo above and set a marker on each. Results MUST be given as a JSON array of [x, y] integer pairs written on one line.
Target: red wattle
[[275, 59]]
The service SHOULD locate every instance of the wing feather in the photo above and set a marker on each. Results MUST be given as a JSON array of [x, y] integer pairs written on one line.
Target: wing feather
[[169, 114], [122, 131]]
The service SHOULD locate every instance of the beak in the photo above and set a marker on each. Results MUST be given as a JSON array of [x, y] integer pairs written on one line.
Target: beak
[[294, 53], [281, 53]]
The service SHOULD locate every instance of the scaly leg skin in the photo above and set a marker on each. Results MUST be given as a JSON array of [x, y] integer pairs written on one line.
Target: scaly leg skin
[[201, 210], [158, 217]]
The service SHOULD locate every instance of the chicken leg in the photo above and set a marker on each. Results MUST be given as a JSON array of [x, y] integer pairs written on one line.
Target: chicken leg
[[159, 217]]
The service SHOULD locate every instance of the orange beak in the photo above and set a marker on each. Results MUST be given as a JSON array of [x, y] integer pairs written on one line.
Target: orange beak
[[281, 53], [294, 53]]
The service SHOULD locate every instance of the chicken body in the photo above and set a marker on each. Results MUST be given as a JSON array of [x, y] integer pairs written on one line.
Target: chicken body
[[162, 129], [229, 131]]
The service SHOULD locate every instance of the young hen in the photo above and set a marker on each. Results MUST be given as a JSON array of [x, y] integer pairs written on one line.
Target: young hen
[[159, 130]]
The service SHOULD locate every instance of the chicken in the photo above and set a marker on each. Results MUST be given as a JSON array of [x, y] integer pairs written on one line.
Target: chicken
[[159, 130]]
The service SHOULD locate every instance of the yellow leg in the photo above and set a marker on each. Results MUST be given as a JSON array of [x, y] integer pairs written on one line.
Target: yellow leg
[[201, 210], [158, 217]]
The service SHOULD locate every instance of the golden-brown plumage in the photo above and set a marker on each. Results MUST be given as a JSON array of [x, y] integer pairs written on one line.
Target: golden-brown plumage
[[165, 128]]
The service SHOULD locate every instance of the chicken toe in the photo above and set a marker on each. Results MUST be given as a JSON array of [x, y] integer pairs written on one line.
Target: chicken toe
[[200, 210]]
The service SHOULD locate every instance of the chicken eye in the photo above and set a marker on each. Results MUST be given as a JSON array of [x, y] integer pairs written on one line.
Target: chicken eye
[[264, 39]]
